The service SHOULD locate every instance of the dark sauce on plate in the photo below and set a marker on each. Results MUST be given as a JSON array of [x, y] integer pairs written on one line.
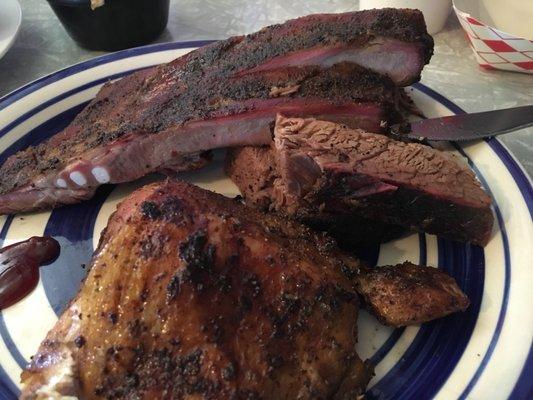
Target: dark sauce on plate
[[19, 267]]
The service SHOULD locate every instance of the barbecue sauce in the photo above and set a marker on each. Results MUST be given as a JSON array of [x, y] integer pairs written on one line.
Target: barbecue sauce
[[19, 267]]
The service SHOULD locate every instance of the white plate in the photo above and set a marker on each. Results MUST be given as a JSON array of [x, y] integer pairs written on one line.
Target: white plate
[[10, 19], [484, 353]]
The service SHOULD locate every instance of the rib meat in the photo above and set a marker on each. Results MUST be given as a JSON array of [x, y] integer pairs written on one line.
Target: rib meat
[[151, 119], [321, 168], [393, 42], [96, 149]]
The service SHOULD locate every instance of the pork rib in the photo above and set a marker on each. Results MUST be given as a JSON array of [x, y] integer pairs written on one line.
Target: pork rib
[[236, 111], [323, 168], [148, 120]]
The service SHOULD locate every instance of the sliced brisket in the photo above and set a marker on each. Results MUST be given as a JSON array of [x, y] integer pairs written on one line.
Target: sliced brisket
[[253, 170], [323, 167]]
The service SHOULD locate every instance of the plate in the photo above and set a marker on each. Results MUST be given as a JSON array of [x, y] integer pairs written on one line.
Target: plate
[[10, 19], [483, 353]]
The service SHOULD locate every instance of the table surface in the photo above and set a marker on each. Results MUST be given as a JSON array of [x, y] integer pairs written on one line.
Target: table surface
[[43, 46]]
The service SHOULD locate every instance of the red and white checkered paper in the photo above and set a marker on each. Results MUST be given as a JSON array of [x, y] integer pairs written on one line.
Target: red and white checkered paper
[[495, 49]]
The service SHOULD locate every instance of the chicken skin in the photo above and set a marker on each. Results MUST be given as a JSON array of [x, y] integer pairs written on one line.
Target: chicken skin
[[194, 296], [408, 294]]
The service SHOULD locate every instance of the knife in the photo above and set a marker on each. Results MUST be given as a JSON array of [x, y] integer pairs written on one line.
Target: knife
[[466, 126]]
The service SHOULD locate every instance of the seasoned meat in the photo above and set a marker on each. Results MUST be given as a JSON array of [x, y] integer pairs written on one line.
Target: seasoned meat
[[323, 167], [254, 171], [407, 294], [235, 111], [194, 296], [399, 295], [393, 42], [216, 96]]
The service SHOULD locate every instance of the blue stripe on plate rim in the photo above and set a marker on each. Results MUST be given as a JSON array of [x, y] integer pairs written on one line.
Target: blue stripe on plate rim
[[514, 168], [503, 309], [527, 192]]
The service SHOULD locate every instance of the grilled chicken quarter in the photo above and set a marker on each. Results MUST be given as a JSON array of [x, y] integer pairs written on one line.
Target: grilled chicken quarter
[[192, 295]]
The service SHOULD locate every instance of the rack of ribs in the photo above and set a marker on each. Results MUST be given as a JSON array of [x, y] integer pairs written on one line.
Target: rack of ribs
[[222, 95]]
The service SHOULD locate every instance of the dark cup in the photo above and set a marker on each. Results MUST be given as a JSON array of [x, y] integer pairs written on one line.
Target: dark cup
[[118, 24]]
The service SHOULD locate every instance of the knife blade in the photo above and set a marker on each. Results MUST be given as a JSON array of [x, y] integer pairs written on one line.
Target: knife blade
[[463, 127]]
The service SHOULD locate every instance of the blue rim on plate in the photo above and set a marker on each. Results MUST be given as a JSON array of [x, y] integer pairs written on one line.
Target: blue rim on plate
[[435, 338]]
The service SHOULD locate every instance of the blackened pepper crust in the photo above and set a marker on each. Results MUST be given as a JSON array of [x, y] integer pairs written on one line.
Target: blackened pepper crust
[[216, 98], [407, 294]]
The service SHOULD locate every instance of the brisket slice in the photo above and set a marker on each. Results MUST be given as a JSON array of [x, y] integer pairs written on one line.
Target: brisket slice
[[97, 149], [253, 169], [325, 167]]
